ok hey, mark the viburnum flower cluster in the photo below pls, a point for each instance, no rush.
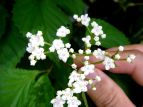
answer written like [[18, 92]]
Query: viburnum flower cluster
[[78, 80], [35, 47]]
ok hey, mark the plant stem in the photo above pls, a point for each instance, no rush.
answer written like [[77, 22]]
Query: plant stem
[[98, 62], [89, 31], [47, 52], [47, 43], [84, 99]]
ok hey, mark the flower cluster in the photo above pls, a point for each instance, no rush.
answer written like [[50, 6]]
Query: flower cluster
[[35, 47], [96, 32], [59, 46], [65, 96], [78, 80], [84, 19]]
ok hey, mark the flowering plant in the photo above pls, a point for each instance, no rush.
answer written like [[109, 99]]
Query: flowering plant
[[78, 82]]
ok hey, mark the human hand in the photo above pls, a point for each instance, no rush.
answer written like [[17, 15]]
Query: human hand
[[108, 93]]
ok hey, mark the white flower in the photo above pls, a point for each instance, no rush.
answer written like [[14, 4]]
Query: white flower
[[88, 51], [96, 38], [74, 76], [80, 51], [88, 45], [74, 66], [90, 81], [36, 40], [130, 58], [87, 69], [98, 78], [28, 35], [86, 39], [31, 57], [67, 45], [86, 58], [75, 16], [78, 19], [67, 94], [94, 88], [99, 54], [39, 53], [108, 63], [117, 56], [30, 48], [62, 31], [73, 102], [121, 48], [58, 44], [52, 49], [80, 86], [35, 47], [93, 24], [103, 36], [39, 33], [33, 62], [58, 102], [97, 30], [59, 93], [98, 43], [63, 54], [73, 56], [86, 62], [71, 50], [85, 19]]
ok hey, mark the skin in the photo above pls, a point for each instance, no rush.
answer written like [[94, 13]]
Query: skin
[[108, 93]]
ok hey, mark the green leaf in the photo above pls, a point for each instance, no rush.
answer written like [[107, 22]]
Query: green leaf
[[12, 48], [114, 36], [72, 6], [14, 86], [41, 94], [59, 75], [38, 15], [3, 16], [18, 88], [45, 15]]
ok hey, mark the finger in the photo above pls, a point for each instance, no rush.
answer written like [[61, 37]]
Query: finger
[[134, 69], [129, 47], [122, 66], [108, 93], [79, 61]]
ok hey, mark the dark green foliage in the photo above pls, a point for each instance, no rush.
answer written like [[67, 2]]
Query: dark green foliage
[[113, 34], [3, 18], [12, 48], [28, 88], [21, 87]]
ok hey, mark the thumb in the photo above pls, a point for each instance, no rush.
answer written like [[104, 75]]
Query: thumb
[[108, 93]]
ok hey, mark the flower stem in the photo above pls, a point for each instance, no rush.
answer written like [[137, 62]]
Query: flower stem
[[85, 100], [47, 52], [89, 31], [47, 43], [98, 62]]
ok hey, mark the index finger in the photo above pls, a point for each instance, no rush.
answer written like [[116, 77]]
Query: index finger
[[138, 47], [134, 69]]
